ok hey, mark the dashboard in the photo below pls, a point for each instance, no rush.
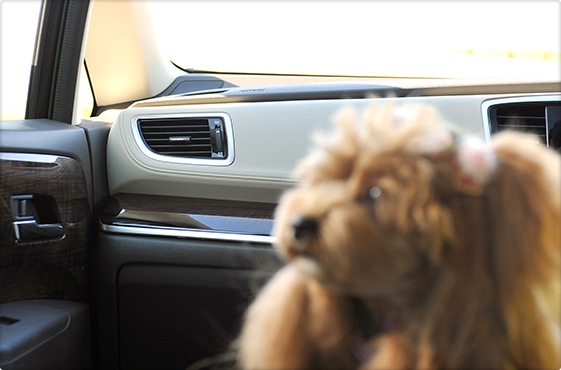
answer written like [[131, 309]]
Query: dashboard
[[252, 138]]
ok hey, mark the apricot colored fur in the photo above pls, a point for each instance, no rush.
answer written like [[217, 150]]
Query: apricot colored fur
[[466, 281]]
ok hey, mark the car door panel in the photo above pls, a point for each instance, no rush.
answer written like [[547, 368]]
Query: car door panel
[[45, 334], [45, 230], [43, 179], [48, 160]]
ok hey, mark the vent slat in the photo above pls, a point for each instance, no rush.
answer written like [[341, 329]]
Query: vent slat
[[188, 154], [163, 127], [166, 140], [522, 117], [183, 147], [177, 133], [176, 129], [505, 126]]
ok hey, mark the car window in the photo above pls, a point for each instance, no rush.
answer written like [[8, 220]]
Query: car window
[[364, 38], [18, 28], [19, 24]]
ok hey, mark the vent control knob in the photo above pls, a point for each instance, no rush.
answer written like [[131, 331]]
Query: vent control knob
[[216, 137]]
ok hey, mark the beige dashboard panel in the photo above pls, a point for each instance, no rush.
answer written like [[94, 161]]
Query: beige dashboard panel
[[268, 140]]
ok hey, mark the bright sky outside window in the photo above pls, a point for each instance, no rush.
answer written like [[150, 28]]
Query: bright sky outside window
[[364, 38]]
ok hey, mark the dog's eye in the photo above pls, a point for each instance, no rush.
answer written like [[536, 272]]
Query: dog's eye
[[374, 193]]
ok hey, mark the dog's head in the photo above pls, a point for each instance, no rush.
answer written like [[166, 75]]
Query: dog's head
[[397, 198]]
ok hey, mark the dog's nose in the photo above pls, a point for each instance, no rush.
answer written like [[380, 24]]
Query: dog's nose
[[304, 227]]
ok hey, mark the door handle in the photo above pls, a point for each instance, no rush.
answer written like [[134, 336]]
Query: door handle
[[28, 230], [35, 217]]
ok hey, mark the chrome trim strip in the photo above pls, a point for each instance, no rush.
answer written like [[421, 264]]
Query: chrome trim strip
[[187, 233], [228, 131], [28, 157], [516, 99]]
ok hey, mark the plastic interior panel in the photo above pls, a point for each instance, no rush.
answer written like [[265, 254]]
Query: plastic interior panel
[[96, 134], [171, 316], [264, 163], [156, 279], [44, 334]]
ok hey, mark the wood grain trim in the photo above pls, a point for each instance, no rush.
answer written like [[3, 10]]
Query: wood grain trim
[[154, 203], [57, 268]]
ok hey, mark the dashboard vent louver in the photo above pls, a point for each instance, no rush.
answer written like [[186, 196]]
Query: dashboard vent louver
[[542, 119], [529, 117], [189, 137]]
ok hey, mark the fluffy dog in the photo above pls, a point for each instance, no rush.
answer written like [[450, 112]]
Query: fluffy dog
[[411, 246]]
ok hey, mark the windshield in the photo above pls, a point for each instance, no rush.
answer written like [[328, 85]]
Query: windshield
[[364, 38]]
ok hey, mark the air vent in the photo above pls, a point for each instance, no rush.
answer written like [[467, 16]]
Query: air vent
[[541, 118], [185, 137], [529, 117]]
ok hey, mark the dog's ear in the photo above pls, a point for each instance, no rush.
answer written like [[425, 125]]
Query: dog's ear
[[524, 223], [527, 207], [507, 245]]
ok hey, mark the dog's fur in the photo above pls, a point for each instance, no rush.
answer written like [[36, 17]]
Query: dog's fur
[[459, 273]]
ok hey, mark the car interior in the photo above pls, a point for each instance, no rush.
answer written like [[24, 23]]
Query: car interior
[[135, 235]]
